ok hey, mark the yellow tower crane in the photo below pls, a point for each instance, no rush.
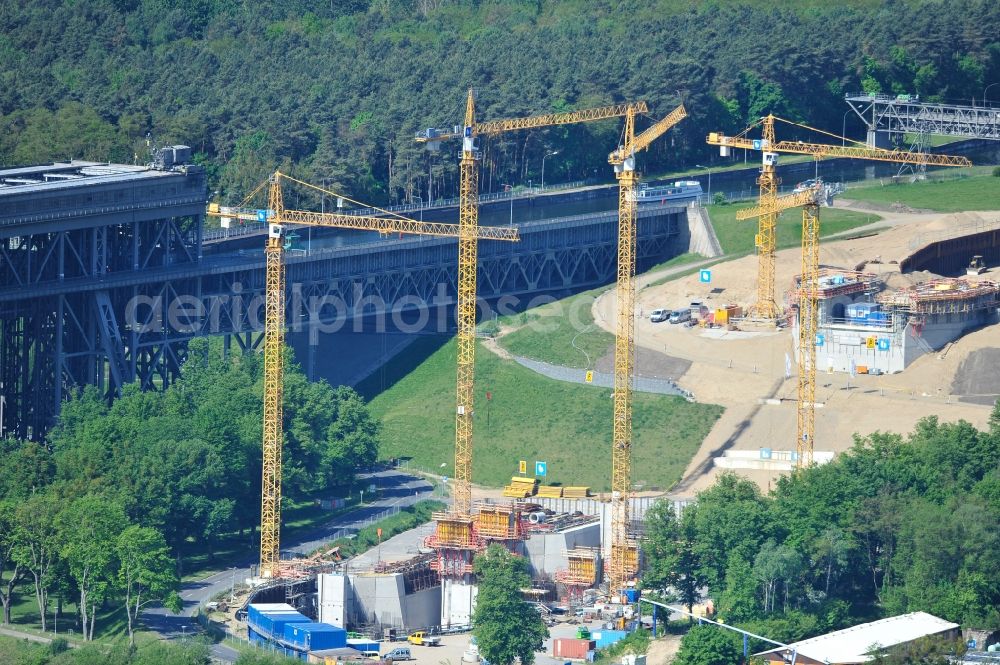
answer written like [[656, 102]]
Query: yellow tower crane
[[467, 265], [624, 550], [809, 200], [769, 207], [274, 327], [766, 306]]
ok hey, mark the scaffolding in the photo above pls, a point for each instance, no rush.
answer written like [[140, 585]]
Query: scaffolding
[[582, 568], [943, 296], [455, 541], [498, 521], [454, 531], [418, 573], [834, 283]]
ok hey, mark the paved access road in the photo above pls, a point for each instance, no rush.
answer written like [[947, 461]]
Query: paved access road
[[397, 490]]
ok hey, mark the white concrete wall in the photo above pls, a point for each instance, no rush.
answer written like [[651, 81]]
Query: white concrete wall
[[351, 599], [637, 509], [846, 343], [458, 599], [333, 592], [422, 609], [702, 238], [546, 552]]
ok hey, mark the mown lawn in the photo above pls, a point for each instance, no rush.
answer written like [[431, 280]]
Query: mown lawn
[[980, 192], [738, 237], [531, 417], [562, 332]]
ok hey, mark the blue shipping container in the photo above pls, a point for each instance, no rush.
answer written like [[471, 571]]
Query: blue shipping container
[[255, 637], [272, 624], [255, 609], [606, 638], [315, 636], [878, 319], [862, 310], [294, 653]]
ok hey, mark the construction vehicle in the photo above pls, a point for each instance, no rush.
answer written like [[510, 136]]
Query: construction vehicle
[[624, 564], [976, 266], [767, 214], [278, 218], [422, 638]]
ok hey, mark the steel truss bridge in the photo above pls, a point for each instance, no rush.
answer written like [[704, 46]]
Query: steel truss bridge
[[110, 295], [891, 116]]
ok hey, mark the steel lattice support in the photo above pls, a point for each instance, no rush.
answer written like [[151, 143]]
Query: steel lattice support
[[766, 307], [808, 321], [621, 439], [274, 338], [466, 315]]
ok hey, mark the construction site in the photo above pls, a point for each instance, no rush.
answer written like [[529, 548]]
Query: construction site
[[868, 332]]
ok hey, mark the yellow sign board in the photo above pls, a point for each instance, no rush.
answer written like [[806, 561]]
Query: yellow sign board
[[870, 342], [522, 466], [590, 377]]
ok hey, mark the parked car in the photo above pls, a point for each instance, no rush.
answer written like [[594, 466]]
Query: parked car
[[680, 316], [399, 653], [659, 315]]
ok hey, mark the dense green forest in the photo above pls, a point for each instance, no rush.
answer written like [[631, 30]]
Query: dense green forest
[[898, 524], [108, 510], [335, 89]]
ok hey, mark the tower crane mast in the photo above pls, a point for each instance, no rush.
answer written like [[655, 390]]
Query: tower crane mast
[[467, 264], [274, 330], [767, 213], [624, 550]]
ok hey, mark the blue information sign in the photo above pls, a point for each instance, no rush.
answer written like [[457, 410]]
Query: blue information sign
[[820, 339], [883, 344], [705, 276], [541, 468]]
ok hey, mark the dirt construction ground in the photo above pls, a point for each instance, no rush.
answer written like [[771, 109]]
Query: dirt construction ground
[[745, 371], [452, 647]]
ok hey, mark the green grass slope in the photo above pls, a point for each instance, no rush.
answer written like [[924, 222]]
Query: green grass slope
[[562, 332], [534, 418], [981, 192], [737, 237]]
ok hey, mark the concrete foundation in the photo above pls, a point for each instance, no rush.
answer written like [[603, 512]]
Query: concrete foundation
[[376, 599], [546, 552], [458, 599], [638, 508]]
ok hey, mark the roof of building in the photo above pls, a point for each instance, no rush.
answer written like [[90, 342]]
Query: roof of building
[[852, 645], [74, 173], [343, 652]]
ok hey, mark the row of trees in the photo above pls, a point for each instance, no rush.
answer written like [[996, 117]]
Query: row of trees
[[335, 90], [897, 524], [112, 503], [88, 546]]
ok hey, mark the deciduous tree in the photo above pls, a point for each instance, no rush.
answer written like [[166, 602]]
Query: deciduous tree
[[505, 626], [145, 573]]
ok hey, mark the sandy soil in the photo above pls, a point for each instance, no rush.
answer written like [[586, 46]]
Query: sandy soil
[[663, 650], [745, 371]]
